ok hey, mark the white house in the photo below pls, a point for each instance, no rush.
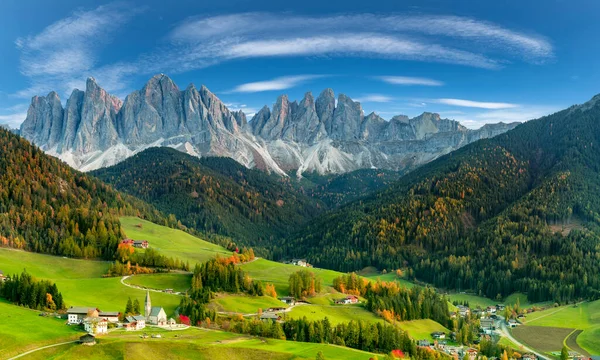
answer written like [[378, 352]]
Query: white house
[[137, 322], [95, 325], [76, 314]]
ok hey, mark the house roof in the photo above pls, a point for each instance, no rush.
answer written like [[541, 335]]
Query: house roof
[[269, 316], [80, 310], [87, 338], [287, 298], [109, 313], [93, 319], [156, 310]]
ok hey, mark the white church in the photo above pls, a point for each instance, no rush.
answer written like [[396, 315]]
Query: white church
[[154, 315]]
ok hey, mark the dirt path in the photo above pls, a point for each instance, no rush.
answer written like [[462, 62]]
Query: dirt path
[[264, 312], [42, 348], [143, 288], [571, 342]]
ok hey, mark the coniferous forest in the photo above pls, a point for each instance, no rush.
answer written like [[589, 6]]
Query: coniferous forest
[[518, 212]]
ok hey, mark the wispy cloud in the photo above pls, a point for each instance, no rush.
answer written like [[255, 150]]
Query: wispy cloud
[[406, 80], [13, 120], [522, 114], [280, 83], [66, 52], [374, 98], [475, 104]]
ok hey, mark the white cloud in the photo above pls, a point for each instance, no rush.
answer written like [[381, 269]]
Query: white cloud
[[522, 114], [374, 98], [475, 104], [280, 83], [66, 52], [406, 80], [13, 120]]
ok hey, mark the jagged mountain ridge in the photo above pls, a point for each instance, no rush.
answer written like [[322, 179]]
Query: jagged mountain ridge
[[96, 129]]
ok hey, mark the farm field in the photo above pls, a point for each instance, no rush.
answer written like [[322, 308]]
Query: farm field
[[336, 313], [542, 338], [197, 344], [585, 316], [422, 329], [16, 335], [243, 303], [176, 281]]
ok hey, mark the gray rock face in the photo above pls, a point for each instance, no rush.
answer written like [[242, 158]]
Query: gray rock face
[[96, 129]]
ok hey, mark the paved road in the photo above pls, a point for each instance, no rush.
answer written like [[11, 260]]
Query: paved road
[[42, 348], [506, 332]]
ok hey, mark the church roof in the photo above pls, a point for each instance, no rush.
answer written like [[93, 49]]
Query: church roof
[[156, 310]]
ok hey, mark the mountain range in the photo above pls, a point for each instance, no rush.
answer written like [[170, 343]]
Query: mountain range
[[96, 129]]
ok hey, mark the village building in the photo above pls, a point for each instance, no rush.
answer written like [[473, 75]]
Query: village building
[[438, 335], [423, 343], [95, 325], [351, 299], [270, 317], [87, 339], [487, 326], [171, 322], [155, 315], [127, 242], [300, 262], [500, 307], [76, 314], [143, 244], [472, 354], [512, 323], [288, 300], [110, 316], [491, 309], [136, 322], [463, 310], [529, 356], [2, 277]]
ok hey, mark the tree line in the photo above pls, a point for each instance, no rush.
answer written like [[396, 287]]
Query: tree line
[[27, 291]]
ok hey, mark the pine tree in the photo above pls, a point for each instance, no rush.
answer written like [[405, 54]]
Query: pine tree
[[136, 306], [129, 307]]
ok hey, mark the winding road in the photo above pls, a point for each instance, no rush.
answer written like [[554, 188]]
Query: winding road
[[505, 332]]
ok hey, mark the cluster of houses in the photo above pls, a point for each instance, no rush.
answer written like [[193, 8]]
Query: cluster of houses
[[2, 277], [299, 262], [350, 299], [142, 244], [97, 322]]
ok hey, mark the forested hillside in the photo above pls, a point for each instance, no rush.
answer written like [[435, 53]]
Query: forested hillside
[[215, 195], [519, 212], [45, 206]]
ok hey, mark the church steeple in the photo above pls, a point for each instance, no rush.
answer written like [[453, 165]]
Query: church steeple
[[148, 305]]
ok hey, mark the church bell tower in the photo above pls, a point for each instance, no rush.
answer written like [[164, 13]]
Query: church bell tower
[[147, 305]]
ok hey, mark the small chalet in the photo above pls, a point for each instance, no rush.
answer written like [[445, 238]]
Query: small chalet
[[300, 262], [76, 314], [270, 317], [500, 307], [463, 310], [512, 323], [140, 244], [529, 356], [171, 322], [110, 316], [288, 300], [2, 277], [438, 335], [351, 299], [423, 343], [472, 354], [487, 326], [87, 339], [491, 309], [95, 325], [137, 322]]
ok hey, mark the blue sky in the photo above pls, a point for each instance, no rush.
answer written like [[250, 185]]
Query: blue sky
[[473, 61]]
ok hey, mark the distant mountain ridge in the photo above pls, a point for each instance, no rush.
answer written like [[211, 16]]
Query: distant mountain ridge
[[96, 129]]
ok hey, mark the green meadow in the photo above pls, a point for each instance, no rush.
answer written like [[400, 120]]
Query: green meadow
[[197, 344], [80, 281], [422, 329], [243, 303], [176, 281], [336, 313], [22, 329]]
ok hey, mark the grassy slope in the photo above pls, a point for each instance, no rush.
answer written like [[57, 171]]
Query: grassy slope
[[175, 281], [336, 313], [422, 329], [80, 281], [585, 316], [198, 344], [244, 304], [22, 329]]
